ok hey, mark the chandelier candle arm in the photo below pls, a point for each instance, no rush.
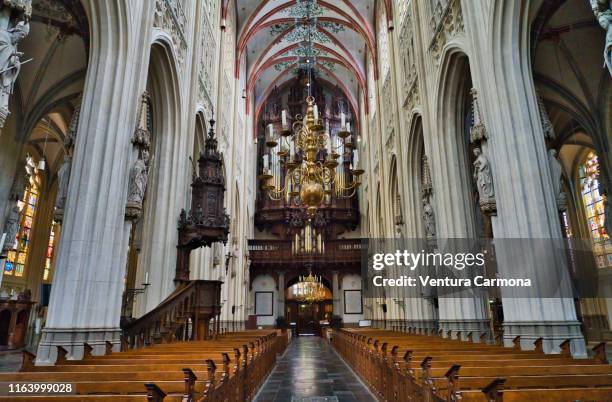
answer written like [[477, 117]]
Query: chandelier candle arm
[[307, 180]]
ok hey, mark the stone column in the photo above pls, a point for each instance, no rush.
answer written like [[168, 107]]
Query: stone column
[[88, 282], [523, 186], [280, 312], [337, 309]]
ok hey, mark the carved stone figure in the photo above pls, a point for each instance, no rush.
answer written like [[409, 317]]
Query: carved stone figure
[[199, 214], [556, 172], [429, 217], [547, 126], [484, 181], [10, 64], [603, 12], [11, 227], [138, 185], [63, 177]]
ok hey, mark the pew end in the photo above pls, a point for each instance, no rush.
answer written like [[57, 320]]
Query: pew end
[[600, 353], [87, 351], [516, 343], [27, 362], [495, 390], [539, 345], [565, 347], [154, 393], [61, 356]]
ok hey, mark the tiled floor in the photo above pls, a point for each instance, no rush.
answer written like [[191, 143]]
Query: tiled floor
[[10, 360], [311, 371]]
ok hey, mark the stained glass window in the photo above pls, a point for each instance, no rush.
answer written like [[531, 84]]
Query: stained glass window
[[16, 259], [593, 202], [49, 254]]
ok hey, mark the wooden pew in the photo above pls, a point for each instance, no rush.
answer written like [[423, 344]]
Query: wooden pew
[[402, 366], [229, 368]]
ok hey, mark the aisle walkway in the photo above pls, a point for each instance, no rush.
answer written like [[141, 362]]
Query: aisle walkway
[[311, 371]]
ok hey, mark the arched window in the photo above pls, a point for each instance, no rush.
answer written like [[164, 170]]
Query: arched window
[[16, 258], [593, 203], [49, 254]]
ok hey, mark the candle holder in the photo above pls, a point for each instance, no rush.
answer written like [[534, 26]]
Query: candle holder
[[271, 142], [343, 133]]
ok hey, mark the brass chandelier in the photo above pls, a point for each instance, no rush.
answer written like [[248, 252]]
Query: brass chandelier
[[308, 162], [310, 289]]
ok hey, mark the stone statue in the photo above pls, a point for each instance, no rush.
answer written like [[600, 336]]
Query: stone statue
[[556, 172], [10, 64], [138, 185], [603, 12], [484, 181], [63, 177], [11, 227], [428, 217]]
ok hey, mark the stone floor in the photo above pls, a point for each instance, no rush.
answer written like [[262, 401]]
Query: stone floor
[[311, 371], [10, 360]]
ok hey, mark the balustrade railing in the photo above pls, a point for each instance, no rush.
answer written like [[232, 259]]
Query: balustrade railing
[[185, 315], [281, 252]]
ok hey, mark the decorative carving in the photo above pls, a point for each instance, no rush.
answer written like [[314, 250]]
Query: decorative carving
[[139, 173], [603, 12], [208, 47], [296, 219], [63, 178], [407, 55], [446, 23], [207, 222], [170, 16], [388, 106], [11, 227], [63, 174], [429, 218], [547, 127], [556, 172], [10, 62], [483, 177], [478, 132]]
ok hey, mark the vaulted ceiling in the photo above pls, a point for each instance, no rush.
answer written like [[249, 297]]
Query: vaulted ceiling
[[570, 75], [347, 28]]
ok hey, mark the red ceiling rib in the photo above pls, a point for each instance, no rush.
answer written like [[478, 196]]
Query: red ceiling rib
[[268, 90], [251, 27], [264, 55], [255, 74]]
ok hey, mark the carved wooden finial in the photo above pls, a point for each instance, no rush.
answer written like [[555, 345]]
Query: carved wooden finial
[[453, 382], [538, 345], [154, 393], [498, 340], [495, 390], [600, 353], [87, 350], [566, 348], [190, 380], [516, 342], [61, 356], [27, 364]]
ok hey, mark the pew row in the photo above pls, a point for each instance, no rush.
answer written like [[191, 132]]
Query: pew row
[[231, 367], [400, 366]]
